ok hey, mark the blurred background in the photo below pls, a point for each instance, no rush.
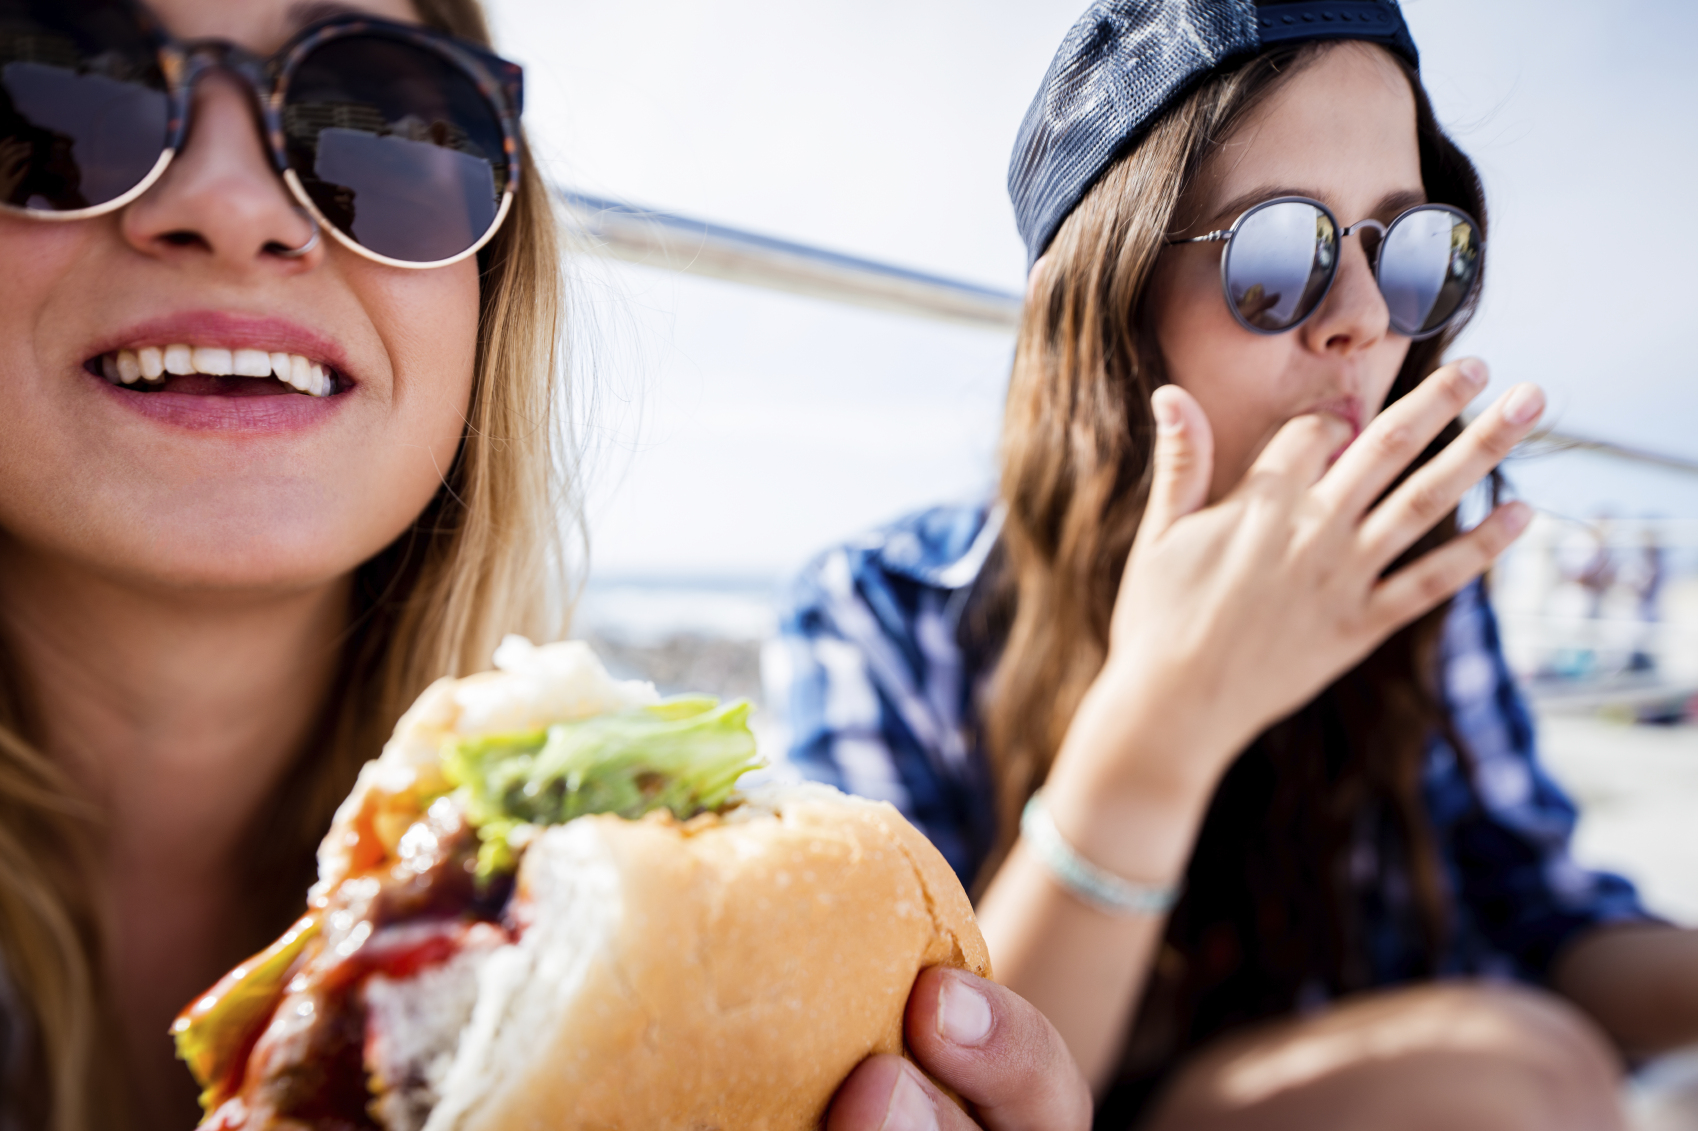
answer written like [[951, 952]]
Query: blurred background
[[734, 430]]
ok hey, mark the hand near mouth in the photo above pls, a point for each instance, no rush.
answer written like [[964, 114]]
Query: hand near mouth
[[1232, 614]]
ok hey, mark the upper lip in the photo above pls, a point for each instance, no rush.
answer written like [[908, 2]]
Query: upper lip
[[230, 331]]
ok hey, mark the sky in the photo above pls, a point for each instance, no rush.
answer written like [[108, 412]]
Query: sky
[[733, 432]]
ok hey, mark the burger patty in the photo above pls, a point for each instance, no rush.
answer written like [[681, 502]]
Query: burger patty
[[413, 1027], [367, 1027]]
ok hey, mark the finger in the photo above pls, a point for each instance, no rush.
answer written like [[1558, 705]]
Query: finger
[[1184, 459], [997, 1052], [1422, 585], [1432, 492], [1396, 436], [886, 1093], [1297, 455]]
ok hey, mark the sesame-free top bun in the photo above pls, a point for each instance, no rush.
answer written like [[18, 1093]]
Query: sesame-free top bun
[[727, 972]]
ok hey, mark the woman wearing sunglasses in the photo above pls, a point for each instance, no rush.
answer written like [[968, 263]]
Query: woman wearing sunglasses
[[1210, 707], [279, 318]]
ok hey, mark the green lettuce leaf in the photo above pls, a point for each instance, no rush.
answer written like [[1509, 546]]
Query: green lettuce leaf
[[683, 754]]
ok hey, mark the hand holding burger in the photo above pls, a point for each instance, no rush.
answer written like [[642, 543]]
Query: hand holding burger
[[986, 1044]]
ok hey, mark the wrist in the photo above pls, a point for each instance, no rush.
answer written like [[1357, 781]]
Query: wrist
[[1130, 785], [1136, 735], [1143, 837], [1098, 887]]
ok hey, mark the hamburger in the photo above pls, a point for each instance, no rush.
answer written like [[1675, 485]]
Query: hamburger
[[547, 905]]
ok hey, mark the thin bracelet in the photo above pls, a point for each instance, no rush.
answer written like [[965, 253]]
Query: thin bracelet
[[1100, 888]]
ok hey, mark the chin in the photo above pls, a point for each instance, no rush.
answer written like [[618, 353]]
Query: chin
[[267, 570], [261, 531], [256, 552]]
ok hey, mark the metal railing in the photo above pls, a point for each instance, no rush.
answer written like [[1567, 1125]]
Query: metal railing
[[677, 243]]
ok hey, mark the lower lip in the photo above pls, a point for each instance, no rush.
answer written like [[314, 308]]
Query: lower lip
[[228, 413]]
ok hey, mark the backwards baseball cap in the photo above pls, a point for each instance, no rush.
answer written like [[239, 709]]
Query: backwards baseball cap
[[1126, 61]]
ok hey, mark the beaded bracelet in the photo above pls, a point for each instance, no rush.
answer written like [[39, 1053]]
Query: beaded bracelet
[[1098, 887]]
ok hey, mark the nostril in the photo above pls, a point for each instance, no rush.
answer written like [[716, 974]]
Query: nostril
[[184, 238], [277, 248]]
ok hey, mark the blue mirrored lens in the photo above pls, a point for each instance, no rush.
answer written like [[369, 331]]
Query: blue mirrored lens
[[84, 115], [1279, 262], [1427, 267], [397, 147]]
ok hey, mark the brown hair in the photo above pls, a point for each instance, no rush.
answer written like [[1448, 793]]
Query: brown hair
[[1266, 898], [483, 559]]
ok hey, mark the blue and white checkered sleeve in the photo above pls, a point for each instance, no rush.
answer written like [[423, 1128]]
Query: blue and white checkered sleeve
[[828, 721], [862, 696], [1510, 831]]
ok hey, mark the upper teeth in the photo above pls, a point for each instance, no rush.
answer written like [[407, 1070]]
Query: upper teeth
[[152, 363]]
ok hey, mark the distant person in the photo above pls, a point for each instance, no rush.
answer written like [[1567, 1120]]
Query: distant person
[[1646, 579], [1597, 573], [1294, 862]]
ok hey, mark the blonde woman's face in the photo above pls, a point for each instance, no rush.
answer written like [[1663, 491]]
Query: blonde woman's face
[[223, 482], [1342, 131]]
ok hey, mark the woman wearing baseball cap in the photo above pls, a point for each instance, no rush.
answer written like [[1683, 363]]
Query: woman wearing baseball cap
[[1210, 705]]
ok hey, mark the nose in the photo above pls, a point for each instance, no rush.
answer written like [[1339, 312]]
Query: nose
[[220, 205], [1354, 315]]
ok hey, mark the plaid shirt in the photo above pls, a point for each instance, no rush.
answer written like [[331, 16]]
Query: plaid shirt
[[877, 697]]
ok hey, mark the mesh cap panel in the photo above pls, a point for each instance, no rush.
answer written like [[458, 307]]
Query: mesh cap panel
[[1126, 61]]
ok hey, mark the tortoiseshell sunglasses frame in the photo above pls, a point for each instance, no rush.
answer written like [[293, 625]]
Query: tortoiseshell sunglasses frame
[[184, 62]]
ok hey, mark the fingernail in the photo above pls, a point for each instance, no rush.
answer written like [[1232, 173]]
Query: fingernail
[[910, 1108], [1167, 413], [1473, 371], [1525, 403], [1516, 516], [963, 1014]]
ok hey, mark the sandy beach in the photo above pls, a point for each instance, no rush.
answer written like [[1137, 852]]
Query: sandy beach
[[1637, 788]]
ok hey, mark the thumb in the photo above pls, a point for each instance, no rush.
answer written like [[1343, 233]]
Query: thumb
[[1184, 460]]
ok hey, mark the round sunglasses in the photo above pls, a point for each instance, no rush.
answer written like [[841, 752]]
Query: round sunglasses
[[1282, 256], [400, 141]]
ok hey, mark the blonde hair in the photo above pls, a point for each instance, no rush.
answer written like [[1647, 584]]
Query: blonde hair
[[486, 557]]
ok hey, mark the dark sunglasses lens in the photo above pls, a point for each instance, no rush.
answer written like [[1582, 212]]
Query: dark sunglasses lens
[[1279, 263], [1428, 265], [84, 115], [397, 146]]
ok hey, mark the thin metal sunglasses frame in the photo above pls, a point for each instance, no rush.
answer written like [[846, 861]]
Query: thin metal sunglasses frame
[[1226, 235], [186, 62]]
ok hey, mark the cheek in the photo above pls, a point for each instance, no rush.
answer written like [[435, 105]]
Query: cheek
[[1234, 374], [39, 259], [45, 442], [428, 323], [1380, 374]]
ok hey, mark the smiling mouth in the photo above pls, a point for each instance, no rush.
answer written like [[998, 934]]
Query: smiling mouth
[[216, 371]]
